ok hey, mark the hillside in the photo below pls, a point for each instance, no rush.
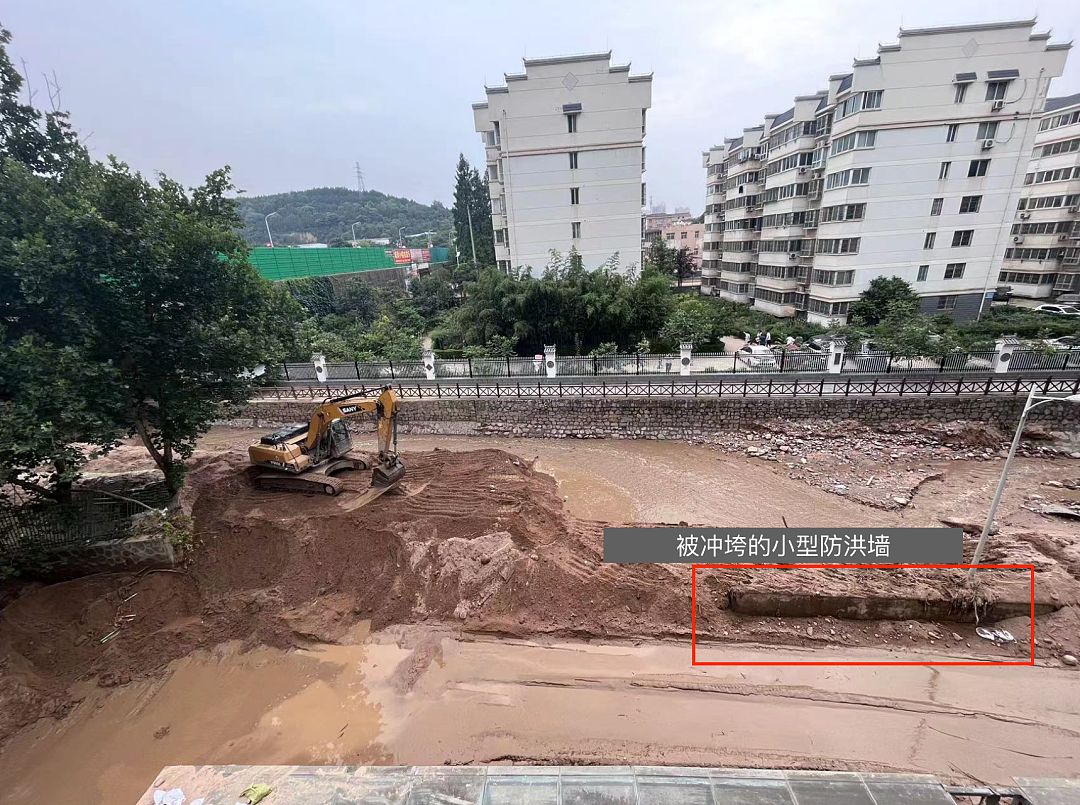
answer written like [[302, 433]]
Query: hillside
[[322, 214]]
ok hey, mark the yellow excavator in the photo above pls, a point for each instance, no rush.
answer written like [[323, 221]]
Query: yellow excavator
[[306, 457]]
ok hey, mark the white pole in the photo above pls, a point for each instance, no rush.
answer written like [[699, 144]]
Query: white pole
[[354, 232], [985, 536], [266, 221]]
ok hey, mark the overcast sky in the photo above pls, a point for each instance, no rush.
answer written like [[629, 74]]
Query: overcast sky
[[292, 94]]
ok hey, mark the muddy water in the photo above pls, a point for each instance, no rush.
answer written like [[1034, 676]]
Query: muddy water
[[264, 706], [669, 482]]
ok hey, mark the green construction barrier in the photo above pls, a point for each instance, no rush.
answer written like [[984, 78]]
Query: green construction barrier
[[284, 263]]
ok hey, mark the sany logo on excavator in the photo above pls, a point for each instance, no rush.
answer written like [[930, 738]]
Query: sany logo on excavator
[[349, 409]]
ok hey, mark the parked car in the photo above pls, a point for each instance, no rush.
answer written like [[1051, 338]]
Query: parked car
[[756, 356], [1059, 310], [1065, 342]]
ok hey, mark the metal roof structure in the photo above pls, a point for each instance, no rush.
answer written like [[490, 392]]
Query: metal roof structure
[[586, 785], [1053, 104]]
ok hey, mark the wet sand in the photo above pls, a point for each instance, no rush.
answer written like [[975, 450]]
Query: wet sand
[[485, 701]]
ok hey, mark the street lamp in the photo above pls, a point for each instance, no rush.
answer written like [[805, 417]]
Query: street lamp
[[354, 232], [1033, 401], [400, 238], [266, 221]]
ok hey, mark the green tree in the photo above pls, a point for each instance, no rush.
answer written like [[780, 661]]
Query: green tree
[[661, 259], [127, 307], [692, 320], [878, 299], [684, 265], [481, 205]]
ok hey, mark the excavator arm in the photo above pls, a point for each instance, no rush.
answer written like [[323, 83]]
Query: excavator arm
[[385, 407]]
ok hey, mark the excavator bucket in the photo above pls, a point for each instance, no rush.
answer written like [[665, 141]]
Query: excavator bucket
[[385, 477]]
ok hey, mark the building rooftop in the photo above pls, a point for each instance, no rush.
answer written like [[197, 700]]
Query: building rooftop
[[968, 28], [606, 55], [1053, 104]]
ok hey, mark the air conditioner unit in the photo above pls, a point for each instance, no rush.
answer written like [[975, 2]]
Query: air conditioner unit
[[1025, 215], [1018, 239], [793, 256], [987, 145], [997, 106], [1063, 237], [802, 170]]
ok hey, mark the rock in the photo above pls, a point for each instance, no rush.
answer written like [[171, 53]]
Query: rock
[[1069, 659], [900, 500], [955, 636], [81, 639], [809, 631]]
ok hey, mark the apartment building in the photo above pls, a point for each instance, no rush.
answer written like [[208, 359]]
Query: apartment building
[[565, 156], [910, 165], [1042, 257]]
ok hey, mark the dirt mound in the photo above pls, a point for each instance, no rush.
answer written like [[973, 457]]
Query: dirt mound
[[476, 538]]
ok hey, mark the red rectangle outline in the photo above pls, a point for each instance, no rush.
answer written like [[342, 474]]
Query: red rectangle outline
[[693, 616]]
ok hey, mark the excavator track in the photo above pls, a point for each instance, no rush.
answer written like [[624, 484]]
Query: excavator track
[[308, 483]]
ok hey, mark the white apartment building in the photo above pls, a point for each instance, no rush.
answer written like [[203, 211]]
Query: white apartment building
[[911, 165], [1042, 258], [565, 157]]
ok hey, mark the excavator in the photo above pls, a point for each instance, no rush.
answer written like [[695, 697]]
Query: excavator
[[306, 457]]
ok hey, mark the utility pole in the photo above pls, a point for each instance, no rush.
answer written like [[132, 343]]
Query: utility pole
[[472, 237], [359, 179]]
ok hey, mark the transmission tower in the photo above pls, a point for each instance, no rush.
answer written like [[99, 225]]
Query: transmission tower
[[359, 179]]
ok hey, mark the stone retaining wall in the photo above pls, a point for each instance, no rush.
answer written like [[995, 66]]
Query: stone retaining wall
[[671, 418]]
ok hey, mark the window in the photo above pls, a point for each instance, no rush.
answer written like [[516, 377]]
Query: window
[[961, 93], [493, 172], [935, 206], [943, 171], [860, 100], [575, 195], [970, 203], [573, 160], [951, 130], [643, 111], [490, 137], [682, 236], [669, 236], [820, 277], [872, 100], [1056, 175], [642, 158], [946, 302], [575, 230], [1062, 147], [995, 90], [843, 212], [498, 236], [923, 271], [837, 246], [978, 167], [962, 237], [1056, 122], [848, 177], [571, 122], [498, 133], [954, 271], [928, 241], [987, 131], [643, 194], [857, 139]]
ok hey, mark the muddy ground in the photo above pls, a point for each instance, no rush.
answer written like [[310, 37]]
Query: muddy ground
[[510, 544]]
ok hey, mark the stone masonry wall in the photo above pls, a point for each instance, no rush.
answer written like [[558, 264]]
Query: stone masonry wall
[[672, 418]]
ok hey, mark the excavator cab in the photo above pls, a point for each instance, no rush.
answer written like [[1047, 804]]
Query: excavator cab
[[340, 441]]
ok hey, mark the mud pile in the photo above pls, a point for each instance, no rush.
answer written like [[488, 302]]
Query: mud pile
[[479, 539]]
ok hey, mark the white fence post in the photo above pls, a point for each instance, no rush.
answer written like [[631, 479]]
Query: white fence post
[[319, 361], [429, 364], [686, 349], [1003, 352], [836, 356], [550, 363]]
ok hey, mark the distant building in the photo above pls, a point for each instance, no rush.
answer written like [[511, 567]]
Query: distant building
[[565, 156], [911, 165], [679, 234], [653, 224]]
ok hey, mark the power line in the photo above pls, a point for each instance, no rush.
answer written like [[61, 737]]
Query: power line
[[359, 179]]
